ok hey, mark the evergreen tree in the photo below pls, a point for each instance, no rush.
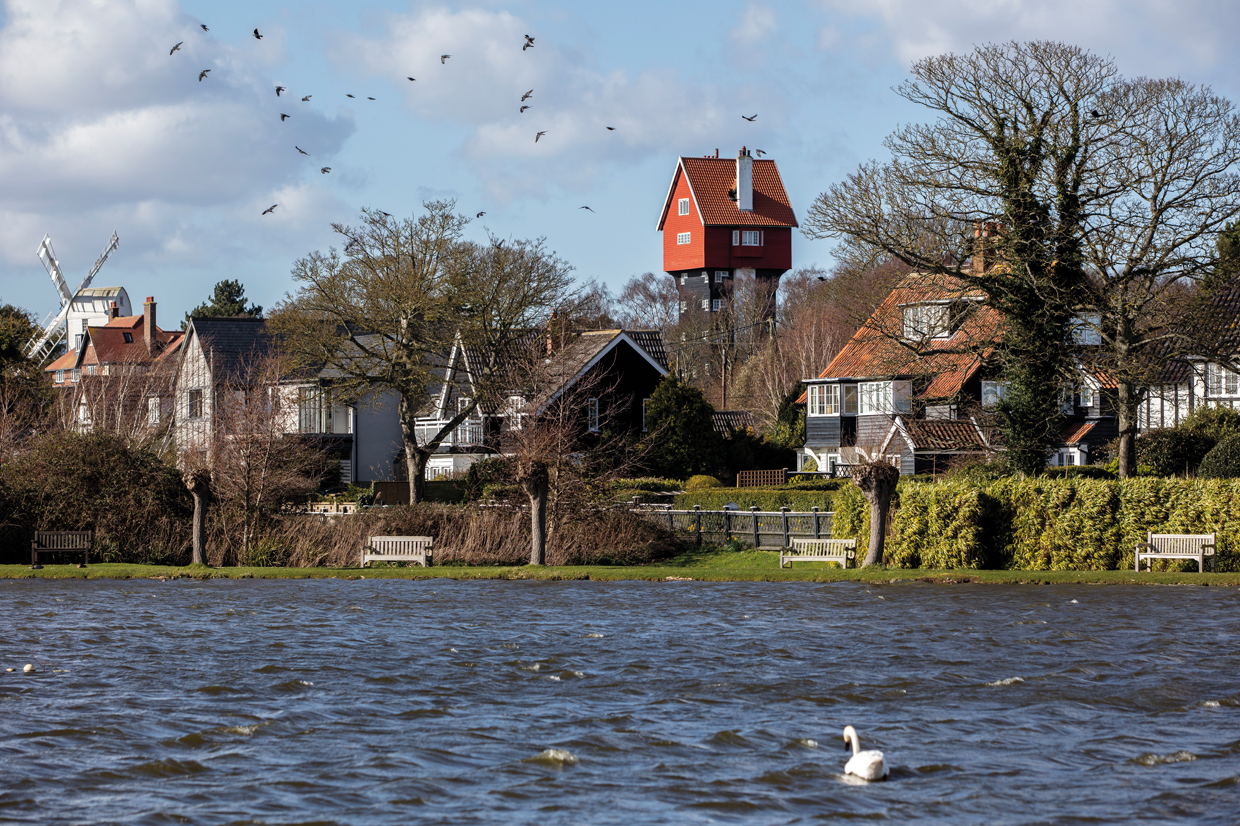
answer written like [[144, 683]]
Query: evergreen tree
[[682, 427], [227, 301]]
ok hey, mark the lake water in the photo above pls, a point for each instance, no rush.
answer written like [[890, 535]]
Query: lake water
[[366, 702]]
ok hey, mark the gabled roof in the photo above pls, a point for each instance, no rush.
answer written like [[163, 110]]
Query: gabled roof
[[572, 361], [107, 345], [229, 343], [727, 422], [876, 351], [942, 434], [710, 179]]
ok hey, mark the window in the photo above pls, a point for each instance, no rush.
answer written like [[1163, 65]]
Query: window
[[720, 275], [1221, 381], [993, 392], [152, 410], [926, 320], [310, 404], [875, 397], [683, 237], [128, 337], [195, 404], [462, 403], [1087, 395], [824, 399], [1085, 330], [706, 304], [849, 406], [77, 341], [60, 376], [684, 206], [736, 238], [684, 276], [645, 403], [1066, 402], [92, 369], [75, 375], [684, 307], [751, 238], [513, 409], [716, 304], [592, 414]]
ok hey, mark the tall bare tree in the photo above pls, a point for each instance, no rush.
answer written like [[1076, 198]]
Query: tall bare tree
[[382, 314]]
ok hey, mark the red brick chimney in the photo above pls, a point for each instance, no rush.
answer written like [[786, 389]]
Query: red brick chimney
[[114, 312], [148, 323], [985, 251], [557, 331]]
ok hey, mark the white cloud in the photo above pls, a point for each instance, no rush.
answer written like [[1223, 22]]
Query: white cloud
[[101, 128], [574, 101], [756, 24], [1150, 37]]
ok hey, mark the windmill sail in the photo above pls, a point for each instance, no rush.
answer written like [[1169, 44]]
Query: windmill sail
[[40, 346]]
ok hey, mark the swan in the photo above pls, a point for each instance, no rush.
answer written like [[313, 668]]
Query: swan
[[867, 765]]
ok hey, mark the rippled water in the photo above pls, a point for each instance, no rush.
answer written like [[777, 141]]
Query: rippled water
[[387, 701]]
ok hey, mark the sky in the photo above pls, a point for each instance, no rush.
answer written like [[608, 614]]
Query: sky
[[102, 130]]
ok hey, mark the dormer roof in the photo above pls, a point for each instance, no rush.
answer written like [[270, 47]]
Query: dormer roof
[[710, 180]]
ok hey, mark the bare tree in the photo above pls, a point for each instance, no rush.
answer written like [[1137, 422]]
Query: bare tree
[[383, 313], [649, 302], [131, 398]]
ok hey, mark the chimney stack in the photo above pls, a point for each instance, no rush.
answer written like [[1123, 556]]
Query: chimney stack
[[148, 318], [744, 181], [985, 250], [114, 312]]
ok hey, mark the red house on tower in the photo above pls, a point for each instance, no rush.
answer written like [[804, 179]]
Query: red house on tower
[[723, 218]]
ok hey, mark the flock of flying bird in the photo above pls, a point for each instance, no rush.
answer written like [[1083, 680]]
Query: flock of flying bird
[[443, 60]]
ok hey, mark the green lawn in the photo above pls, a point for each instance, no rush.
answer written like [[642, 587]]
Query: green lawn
[[709, 565]]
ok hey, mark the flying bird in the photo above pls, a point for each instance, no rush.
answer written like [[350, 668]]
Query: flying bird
[[611, 129], [306, 98], [299, 149], [280, 89], [369, 98], [480, 214], [346, 94], [759, 152], [585, 207], [325, 170], [528, 95], [523, 108], [284, 117], [203, 74], [410, 78], [258, 36], [204, 27], [529, 43], [443, 58], [385, 214], [175, 48], [749, 118], [271, 208], [539, 135]]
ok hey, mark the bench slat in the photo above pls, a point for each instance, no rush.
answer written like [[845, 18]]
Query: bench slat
[[398, 549], [1176, 546], [819, 550]]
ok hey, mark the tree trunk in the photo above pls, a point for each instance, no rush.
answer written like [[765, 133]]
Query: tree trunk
[[1126, 405], [415, 456], [537, 483], [199, 484], [877, 481]]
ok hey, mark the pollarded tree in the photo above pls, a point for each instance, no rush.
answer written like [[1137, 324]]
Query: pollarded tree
[[1108, 195], [383, 314]]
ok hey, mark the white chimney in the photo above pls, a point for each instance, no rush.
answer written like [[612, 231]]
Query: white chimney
[[744, 181]]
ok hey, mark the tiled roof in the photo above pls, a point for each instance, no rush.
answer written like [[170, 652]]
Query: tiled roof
[[652, 342], [230, 343], [107, 344], [944, 434], [712, 178], [567, 363], [876, 351], [727, 422], [1076, 432]]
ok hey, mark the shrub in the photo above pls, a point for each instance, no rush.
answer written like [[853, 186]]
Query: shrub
[[1215, 423], [486, 472], [766, 499], [650, 484], [810, 465], [1083, 472], [1172, 451], [1223, 460], [939, 526], [702, 483]]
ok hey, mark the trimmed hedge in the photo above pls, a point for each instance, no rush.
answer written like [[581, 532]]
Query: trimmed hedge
[[1223, 460], [767, 499], [1046, 524]]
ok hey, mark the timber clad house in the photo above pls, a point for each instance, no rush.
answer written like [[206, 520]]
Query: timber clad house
[[722, 218], [913, 387], [606, 375]]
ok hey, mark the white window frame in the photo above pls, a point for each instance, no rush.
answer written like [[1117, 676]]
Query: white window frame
[[1085, 330], [683, 238], [874, 397], [926, 321], [844, 394], [824, 400], [60, 376], [993, 392], [683, 206], [592, 414], [720, 275], [736, 237], [751, 238], [716, 304], [152, 410], [684, 307], [1222, 382], [512, 410], [1067, 404], [706, 304], [1087, 395]]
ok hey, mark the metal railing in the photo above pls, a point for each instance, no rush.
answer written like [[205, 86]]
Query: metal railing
[[760, 529], [466, 433]]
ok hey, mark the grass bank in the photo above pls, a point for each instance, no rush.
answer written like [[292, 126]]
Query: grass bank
[[705, 565]]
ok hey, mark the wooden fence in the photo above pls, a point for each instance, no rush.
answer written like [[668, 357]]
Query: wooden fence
[[770, 478], [760, 529]]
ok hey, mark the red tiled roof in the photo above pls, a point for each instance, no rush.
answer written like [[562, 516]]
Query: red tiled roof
[[876, 351], [1076, 432], [944, 434], [107, 344], [711, 178]]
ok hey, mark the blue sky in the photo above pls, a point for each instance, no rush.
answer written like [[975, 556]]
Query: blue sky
[[101, 129]]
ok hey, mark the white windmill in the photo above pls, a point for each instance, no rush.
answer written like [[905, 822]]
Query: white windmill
[[42, 344]]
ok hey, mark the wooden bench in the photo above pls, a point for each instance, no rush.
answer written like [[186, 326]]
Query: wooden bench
[[398, 549], [60, 542], [1176, 546], [820, 550]]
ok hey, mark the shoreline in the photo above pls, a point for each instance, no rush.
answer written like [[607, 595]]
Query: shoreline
[[745, 566]]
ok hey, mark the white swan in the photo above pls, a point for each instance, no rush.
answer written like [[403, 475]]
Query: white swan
[[867, 765]]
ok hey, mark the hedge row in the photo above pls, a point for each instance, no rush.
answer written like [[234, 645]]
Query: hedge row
[[767, 499], [1047, 524]]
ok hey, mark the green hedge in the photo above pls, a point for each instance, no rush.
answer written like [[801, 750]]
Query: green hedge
[[938, 526], [767, 499]]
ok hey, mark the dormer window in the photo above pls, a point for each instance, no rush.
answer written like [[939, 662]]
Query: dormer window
[[684, 206], [927, 321], [128, 337]]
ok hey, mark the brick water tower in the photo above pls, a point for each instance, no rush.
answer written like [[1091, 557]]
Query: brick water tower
[[723, 218]]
